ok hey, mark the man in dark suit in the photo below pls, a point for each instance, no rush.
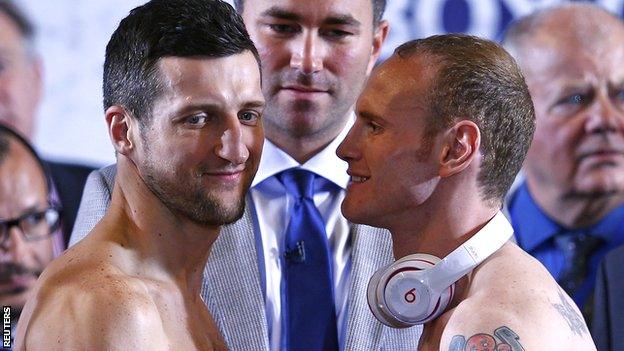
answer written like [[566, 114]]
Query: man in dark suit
[[20, 94], [608, 321]]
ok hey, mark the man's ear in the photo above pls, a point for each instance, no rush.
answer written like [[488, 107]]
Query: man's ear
[[121, 128], [461, 146], [379, 37]]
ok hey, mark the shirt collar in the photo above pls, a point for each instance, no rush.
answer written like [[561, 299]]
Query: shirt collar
[[533, 227], [611, 227], [325, 163]]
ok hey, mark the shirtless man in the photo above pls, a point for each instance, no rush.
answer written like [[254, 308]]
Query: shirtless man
[[431, 158], [183, 104]]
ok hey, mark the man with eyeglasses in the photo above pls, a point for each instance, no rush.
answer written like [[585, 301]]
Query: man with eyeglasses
[[29, 224]]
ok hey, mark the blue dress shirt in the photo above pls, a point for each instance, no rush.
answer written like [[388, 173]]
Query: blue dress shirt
[[535, 233]]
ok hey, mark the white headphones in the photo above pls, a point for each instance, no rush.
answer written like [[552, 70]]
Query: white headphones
[[417, 288]]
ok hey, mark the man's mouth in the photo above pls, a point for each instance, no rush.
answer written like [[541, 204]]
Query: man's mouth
[[16, 284], [358, 179], [606, 154]]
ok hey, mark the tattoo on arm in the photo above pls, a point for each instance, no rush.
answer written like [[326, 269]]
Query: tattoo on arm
[[504, 339], [571, 316]]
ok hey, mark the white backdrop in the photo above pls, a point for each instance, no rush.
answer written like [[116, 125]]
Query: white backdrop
[[72, 36]]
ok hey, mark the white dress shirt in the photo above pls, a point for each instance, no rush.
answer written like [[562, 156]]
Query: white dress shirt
[[272, 206]]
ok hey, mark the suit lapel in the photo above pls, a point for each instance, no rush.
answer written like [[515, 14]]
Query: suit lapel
[[232, 288], [371, 249]]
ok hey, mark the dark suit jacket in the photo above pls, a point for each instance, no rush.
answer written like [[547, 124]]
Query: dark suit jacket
[[608, 318], [69, 180]]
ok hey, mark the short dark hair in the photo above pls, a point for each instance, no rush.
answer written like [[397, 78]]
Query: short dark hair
[[166, 28], [6, 134], [478, 80], [379, 6]]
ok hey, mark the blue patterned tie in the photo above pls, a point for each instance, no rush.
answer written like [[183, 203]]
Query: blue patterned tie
[[308, 299]]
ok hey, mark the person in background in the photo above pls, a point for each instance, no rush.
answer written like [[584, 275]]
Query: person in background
[[21, 87], [442, 129], [183, 106], [569, 209], [608, 321], [30, 235], [290, 274]]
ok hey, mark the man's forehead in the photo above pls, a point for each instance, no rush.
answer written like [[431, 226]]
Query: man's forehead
[[10, 36], [22, 182], [319, 11], [233, 79], [401, 83], [573, 62]]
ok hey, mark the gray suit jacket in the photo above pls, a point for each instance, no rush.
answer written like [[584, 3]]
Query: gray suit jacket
[[232, 289]]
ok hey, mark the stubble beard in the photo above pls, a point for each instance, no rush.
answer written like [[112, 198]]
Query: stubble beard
[[188, 199]]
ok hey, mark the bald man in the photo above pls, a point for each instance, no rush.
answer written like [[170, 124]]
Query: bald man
[[569, 212], [29, 221]]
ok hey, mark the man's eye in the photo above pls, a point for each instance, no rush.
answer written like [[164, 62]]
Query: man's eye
[[249, 117], [35, 218], [374, 127], [196, 120], [335, 33], [575, 99], [283, 28]]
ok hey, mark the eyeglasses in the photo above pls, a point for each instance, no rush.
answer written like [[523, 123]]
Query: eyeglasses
[[34, 225]]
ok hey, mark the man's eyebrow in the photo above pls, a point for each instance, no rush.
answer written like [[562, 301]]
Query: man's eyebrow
[[254, 104], [345, 20], [369, 116], [277, 12], [332, 19]]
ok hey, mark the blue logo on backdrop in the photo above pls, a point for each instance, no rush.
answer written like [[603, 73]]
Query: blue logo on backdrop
[[411, 19]]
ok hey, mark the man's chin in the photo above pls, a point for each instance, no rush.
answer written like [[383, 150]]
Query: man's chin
[[15, 300], [600, 186], [217, 214], [355, 214]]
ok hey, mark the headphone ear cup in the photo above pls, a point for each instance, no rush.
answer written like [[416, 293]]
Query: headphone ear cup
[[376, 302], [400, 297]]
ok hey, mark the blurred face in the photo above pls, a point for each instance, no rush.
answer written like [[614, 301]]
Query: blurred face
[[391, 159], [315, 58], [578, 147], [20, 81], [202, 147], [22, 191]]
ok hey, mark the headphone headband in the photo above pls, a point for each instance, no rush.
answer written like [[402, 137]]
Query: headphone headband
[[468, 255], [418, 288]]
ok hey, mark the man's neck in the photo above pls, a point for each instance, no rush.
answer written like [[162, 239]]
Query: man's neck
[[440, 230], [166, 245], [573, 211], [303, 148]]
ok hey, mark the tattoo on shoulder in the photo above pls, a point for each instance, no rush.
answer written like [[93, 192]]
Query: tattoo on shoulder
[[504, 339], [571, 316]]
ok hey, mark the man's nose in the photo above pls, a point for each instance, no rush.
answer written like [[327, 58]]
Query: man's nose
[[605, 116], [14, 247], [307, 53], [231, 145], [348, 149]]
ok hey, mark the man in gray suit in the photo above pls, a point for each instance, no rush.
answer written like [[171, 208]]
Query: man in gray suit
[[315, 56], [183, 103]]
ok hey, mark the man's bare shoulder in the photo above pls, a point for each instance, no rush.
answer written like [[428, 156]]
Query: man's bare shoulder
[[85, 301], [513, 301]]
